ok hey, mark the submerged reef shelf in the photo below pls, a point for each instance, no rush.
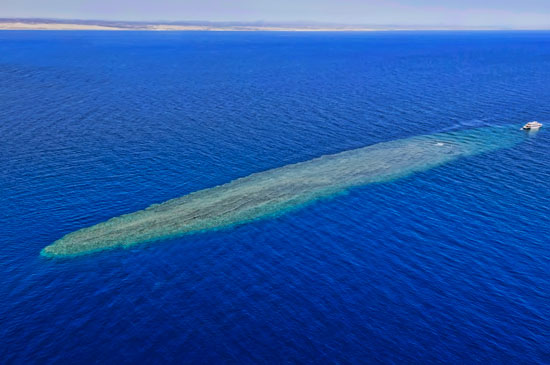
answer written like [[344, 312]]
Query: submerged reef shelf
[[282, 189]]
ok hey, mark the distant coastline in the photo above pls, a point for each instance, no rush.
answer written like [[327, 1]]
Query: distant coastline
[[76, 24], [162, 27]]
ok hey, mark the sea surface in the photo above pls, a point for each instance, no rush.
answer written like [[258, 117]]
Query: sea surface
[[449, 265]]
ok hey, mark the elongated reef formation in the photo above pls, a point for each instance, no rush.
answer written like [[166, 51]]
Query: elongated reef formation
[[282, 189]]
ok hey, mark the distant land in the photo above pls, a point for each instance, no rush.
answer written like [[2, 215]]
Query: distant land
[[76, 24]]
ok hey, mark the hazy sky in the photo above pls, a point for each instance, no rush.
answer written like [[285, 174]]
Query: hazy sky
[[515, 13]]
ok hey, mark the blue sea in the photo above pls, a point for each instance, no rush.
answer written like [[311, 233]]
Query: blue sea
[[449, 265]]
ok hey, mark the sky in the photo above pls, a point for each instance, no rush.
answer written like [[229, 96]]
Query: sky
[[470, 13]]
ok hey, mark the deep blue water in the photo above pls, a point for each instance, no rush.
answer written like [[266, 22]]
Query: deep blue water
[[446, 266]]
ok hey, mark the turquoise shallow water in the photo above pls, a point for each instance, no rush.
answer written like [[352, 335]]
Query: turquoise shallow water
[[449, 264]]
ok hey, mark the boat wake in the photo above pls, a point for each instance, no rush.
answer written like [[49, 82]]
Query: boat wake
[[282, 189]]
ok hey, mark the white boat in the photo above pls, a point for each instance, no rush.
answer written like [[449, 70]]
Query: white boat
[[532, 125]]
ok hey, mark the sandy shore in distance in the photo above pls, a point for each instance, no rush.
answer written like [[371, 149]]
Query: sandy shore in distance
[[47, 26], [166, 27]]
